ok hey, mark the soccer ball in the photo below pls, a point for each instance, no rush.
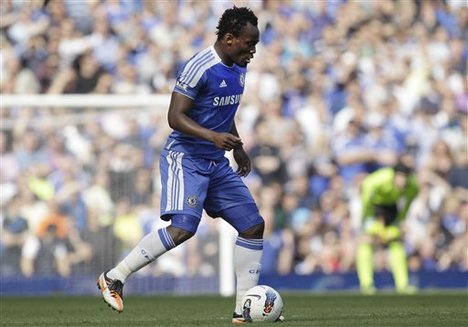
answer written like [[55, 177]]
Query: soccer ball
[[261, 303]]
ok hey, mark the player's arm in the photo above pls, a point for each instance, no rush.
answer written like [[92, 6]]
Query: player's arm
[[178, 120], [370, 189], [240, 156], [367, 189], [412, 190]]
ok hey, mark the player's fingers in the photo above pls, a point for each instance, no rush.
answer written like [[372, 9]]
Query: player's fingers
[[236, 140], [230, 145], [243, 171]]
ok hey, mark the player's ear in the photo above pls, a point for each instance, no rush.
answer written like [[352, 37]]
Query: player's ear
[[229, 38]]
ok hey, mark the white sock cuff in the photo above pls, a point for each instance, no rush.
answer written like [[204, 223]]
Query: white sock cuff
[[166, 239], [250, 243]]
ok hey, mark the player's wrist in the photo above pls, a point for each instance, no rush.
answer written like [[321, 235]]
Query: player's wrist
[[211, 136], [238, 147]]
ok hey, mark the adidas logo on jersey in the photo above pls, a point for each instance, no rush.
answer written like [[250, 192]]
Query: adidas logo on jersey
[[223, 84]]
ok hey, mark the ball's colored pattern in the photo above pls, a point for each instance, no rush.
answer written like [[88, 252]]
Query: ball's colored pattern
[[262, 303]]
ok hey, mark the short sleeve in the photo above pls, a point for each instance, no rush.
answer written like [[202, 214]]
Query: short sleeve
[[191, 89]]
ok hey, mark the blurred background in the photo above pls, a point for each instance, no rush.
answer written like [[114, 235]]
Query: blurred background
[[337, 90]]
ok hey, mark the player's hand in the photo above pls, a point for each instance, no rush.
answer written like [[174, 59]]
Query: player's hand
[[226, 141], [243, 161]]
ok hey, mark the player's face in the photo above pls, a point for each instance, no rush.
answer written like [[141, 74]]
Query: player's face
[[242, 48], [400, 180]]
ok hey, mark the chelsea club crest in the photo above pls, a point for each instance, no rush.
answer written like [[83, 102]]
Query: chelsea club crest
[[192, 200], [242, 79]]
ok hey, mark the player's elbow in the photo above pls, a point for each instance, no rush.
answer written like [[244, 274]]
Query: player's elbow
[[172, 121]]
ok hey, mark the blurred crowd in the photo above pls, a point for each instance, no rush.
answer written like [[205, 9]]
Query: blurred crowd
[[337, 90]]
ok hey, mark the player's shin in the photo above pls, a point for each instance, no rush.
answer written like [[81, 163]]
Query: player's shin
[[146, 251], [365, 267], [247, 258], [399, 265]]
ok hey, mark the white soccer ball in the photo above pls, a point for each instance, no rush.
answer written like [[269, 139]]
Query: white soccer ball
[[262, 303]]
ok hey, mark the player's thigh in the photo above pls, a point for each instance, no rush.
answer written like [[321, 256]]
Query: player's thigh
[[245, 219], [184, 189], [376, 230], [226, 189], [392, 233], [229, 198], [373, 231]]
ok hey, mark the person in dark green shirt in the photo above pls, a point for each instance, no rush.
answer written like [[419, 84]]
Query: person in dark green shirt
[[386, 196]]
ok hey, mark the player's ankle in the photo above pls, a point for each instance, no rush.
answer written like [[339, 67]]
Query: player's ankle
[[120, 272]]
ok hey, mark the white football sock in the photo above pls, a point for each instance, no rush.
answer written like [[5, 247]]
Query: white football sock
[[247, 258], [146, 251]]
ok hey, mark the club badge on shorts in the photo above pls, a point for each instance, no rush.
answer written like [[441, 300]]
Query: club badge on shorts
[[192, 200]]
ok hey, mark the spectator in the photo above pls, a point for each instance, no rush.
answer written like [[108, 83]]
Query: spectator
[[14, 233], [88, 74], [266, 160], [46, 253]]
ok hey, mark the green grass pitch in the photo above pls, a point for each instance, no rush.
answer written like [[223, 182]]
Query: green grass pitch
[[428, 309]]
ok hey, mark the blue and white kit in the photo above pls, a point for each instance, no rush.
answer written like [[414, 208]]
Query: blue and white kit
[[195, 174]]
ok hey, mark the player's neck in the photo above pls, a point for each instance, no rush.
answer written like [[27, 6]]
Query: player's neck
[[224, 58]]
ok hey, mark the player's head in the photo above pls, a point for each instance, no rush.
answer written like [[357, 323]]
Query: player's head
[[238, 35], [402, 173]]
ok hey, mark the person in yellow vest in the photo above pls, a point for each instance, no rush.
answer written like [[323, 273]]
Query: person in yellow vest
[[386, 196]]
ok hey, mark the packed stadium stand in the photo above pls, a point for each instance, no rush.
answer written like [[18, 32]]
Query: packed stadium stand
[[337, 90]]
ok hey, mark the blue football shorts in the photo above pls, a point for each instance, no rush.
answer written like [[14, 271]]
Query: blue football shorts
[[191, 184]]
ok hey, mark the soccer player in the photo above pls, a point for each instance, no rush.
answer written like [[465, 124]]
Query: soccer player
[[386, 196], [195, 174]]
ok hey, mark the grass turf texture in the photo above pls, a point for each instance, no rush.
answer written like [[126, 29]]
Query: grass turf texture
[[429, 309]]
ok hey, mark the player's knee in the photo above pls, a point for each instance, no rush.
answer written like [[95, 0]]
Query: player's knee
[[183, 227], [179, 235], [395, 242], [255, 231]]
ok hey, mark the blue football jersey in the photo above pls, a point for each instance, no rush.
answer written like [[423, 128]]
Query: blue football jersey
[[216, 90]]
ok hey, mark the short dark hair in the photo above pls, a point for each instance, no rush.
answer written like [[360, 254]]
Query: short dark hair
[[402, 168], [234, 19]]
